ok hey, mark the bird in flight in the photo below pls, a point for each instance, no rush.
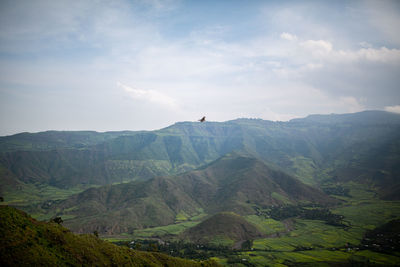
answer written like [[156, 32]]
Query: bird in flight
[[203, 119]]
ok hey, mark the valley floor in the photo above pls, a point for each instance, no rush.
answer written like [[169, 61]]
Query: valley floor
[[293, 241]]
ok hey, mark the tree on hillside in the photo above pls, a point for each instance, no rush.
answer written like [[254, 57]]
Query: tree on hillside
[[1, 199], [246, 245], [57, 220]]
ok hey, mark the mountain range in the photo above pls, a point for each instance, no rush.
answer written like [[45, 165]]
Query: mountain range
[[231, 183], [117, 182]]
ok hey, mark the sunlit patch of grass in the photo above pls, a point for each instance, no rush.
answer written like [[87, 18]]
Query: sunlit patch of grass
[[36, 193], [198, 217], [369, 214], [181, 216], [221, 241], [309, 233], [319, 257], [172, 229], [272, 244], [281, 198], [266, 226], [304, 168], [378, 258]]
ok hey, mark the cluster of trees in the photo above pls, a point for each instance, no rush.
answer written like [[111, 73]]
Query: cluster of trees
[[180, 248], [303, 212], [384, 239], [57, 220]]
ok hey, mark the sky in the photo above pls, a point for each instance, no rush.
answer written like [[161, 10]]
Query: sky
[[146, 64]]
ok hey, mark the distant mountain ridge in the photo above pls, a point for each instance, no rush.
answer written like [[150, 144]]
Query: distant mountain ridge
[[189, 166], [364, 117], [65, 159]]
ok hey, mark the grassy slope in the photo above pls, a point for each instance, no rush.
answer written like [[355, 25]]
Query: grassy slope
[[232, 183], [224, 225], [27, 242]]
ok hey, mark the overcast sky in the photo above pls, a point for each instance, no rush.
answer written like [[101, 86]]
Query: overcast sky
[[146, 64]]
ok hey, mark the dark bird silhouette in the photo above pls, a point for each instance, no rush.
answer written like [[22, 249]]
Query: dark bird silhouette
[[203, 119]]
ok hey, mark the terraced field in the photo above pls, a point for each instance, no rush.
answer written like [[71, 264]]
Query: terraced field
[[315, 243]]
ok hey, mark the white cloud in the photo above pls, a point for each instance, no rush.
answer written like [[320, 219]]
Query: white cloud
[[351, 104], [383, 55], [364, 44], [394, 109], [288, 36], [317, 48], [151, 96]]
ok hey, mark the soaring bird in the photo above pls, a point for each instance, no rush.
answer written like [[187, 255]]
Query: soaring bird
[[203, 119]]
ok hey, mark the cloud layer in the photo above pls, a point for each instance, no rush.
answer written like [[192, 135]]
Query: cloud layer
[[146, 64]]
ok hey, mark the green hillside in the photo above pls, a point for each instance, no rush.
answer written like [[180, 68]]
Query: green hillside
[[27, 242], [51, 140], [232, 183], [226, 226], [124, 207], [342, 143]]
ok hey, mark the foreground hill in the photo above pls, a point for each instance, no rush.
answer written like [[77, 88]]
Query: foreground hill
[[234, 182], [27, 242], [224, 225]]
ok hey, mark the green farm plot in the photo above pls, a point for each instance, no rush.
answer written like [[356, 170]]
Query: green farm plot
[[310, 242], [221, 241], [198, 217], [369, 214], [315, 243], [33, 197], [172, 229], [37, 193], [311, 234], [182, 216], [318, 258], [266, 226], [272, 244], [378, 258]]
